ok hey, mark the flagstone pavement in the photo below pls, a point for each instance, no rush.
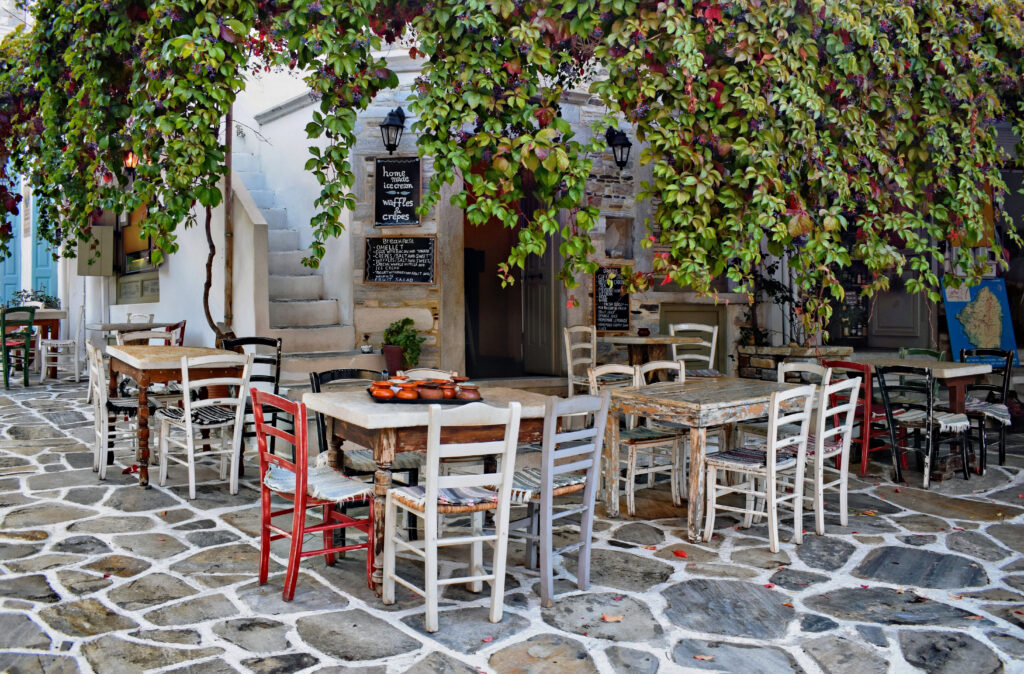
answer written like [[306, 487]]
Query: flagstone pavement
[[107, 577]]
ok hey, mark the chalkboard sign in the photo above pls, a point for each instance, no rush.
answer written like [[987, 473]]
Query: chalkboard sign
[[611, 305], [397, 194], [399, 259]]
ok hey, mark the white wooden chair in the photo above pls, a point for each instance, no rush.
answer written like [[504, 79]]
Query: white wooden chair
[[134, 317], [224, 414], [643, 450], [419, 373], [702, 354], [833, 432], [115, 420], [784, 452], [163, 337], [53, 352], [570, 462], [456, 494], [804, 372], [580, 355]]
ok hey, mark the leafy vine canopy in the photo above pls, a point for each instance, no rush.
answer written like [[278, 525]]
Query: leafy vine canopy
[[823, 131]]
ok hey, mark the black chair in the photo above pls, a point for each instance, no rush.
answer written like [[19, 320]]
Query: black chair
[[18, 335], [266, 369], [359, 462], [991, 399], [908, 396]]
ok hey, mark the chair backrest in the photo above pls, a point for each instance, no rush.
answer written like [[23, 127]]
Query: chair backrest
[[575, 450], [177, 339], [675, 368], [918, 353], [787, 409], [1001, 390], [139, 318], [213, 371], [143, 337], [442, 428], [317, 380], [580, 349], [17, 320], [266, 360], [297, 438], [838, 407], [419, 373], [704, 352], [97, 376], [612, 375], [845, 369], [820, 375]]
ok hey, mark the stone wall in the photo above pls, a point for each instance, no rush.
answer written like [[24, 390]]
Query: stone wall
[[762, 362]]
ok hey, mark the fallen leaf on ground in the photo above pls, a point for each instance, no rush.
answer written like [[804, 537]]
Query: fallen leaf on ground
[[897, 491], [769, 585], [611, 618], [650, 547], [900, 591], [974, 617], [618, 598], [863, 587], [956, 596], [680, 553], [787, 604], [487, 640], [704, 658]]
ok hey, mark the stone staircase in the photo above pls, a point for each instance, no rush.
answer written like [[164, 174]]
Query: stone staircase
[[301, 314]]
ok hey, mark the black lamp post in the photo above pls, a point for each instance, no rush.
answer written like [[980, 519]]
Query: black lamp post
[[620, 146], [391, 129]]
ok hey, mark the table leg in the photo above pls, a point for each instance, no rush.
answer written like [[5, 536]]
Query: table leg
[[111, 417], [637, 353], [958, 393], [143, 452], [383, 455], [695, 504], [611, 465], [334, 456]]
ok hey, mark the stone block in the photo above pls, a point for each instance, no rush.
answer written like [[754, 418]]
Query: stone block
[[758, 361], [370, 319]]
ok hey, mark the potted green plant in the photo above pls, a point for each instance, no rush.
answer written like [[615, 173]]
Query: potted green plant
[[401, 345]]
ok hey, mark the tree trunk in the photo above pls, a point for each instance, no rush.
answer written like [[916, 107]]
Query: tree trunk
[[209, 277]]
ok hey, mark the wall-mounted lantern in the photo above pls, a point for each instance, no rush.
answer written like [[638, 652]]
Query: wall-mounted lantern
[[620, 146], [391, 129], [131, 162]]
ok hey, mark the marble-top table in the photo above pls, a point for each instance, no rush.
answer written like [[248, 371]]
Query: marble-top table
[[955, 376], [389, 428], [124, 327], [155, 364]]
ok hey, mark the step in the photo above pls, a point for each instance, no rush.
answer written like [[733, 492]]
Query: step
[[253, 180], [277, 218], [307, 287], [244, 162], [290, 313], [320, 338], [288, 263], [263, 198], [283, 239], [295, 367]]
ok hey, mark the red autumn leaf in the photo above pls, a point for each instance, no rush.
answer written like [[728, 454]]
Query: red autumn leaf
[[512, 67], [617, 598], [713, 13], [864, 587], [680, 553], [704, 658], [787, 604], [544, 116], [487, 640], [769, 585], [228, 35]]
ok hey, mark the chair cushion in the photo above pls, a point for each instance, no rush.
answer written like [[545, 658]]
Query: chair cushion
[[644, 434], [947, 422], [750, 457], [526, 483], [706, 372], [322, 482], [128, 407], [203, 416], [126, 388], [56, 342], [361, 460], [995, 411], [467, 496]]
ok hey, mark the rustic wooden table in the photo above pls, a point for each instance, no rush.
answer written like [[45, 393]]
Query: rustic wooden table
[[954, 376], [645, 349], [700, 403], [391, 428], [154, 365], [48, 322]]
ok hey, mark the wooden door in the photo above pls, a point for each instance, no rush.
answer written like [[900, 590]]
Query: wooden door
[[542, 325], [10, 267], [899, 319], [44, 267]]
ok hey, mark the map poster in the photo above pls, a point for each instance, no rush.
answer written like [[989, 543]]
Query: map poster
[[979, 318]]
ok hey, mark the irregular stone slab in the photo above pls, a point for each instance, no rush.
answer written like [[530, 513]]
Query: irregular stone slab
[[196, 525], [112, 525], [28, 535], [64, 479], [917, 540], [439, 663], [921, 523], [185, 637], [734, 658], [217, 666], [350, 574], [824, 552], [948, 653], [541, 653], [44, 664], [79, 583], [870, 540], [693, 553], [193, 611], [858, 502], [237, 559], [459, 591], [79, 459], [220, 580], [29, 588], [920, 568], [640, 533], [1010, 535], [260, 635], [994, 478], [43, 515], [26, 432], [85, 618], [247, 521], [1007, 643], [42, 563], [728, 607], [354, 635], [873, 634], [113, 654], [792, 579], [817, 623], [119, 565], [10, 551], [150, 590], [721, 571], [175, 516], [213, 496], [1013, 614], [131, 499], [467, 630], [581, 614], [1013, 495], [155, 546], [1016, 582], [18, 631], [206, 539], [281, 664], [1014, 566], [631, 661], [943, 505], [889, 607], [995, 594], [82, 545], [622, 570], [842, 656], [976, 545], [761, 558], [310, 595]]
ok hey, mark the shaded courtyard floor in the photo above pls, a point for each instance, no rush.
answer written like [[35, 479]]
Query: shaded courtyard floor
[[108, 577]]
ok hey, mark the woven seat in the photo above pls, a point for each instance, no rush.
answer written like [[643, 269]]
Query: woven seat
[[470, 499], [202, 416], [526, 484], [322, 483], [128, 407], [946, 422], [361, 460], [830, 447], [999, 412], [749, 458]]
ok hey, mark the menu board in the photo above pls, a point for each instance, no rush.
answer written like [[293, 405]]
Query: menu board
[[399, 259], [397, 194], [611, 304]]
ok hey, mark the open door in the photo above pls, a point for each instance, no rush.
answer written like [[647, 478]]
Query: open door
[[541, 312]]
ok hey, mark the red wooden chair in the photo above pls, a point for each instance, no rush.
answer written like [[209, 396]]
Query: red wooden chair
[[869, 415], [320, 487]]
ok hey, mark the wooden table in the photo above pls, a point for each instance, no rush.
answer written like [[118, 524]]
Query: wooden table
[[124, 327], [48, 322], [700, 403], [391, 428], [645, 349], [154, 365], [954, 376]]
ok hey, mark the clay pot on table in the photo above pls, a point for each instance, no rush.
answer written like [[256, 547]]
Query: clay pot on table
[[468, 392], [430, 391]]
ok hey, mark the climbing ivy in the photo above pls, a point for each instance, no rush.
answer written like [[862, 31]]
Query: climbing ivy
[[819, 131]]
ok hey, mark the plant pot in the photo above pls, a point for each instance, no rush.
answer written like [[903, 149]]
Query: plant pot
[[392, 358]]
